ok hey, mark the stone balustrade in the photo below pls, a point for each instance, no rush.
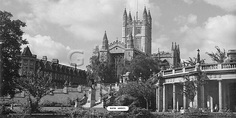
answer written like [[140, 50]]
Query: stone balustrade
[[204, 67]]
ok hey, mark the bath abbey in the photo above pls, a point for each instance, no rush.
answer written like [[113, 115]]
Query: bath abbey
[[136, 40]]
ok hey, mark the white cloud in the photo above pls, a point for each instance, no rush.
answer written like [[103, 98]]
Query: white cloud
[[134, 5], [184, 29], [228, 5], [190, 19], [81, 18], [158, 44], [45, 46], [217, 31], [188, 1]]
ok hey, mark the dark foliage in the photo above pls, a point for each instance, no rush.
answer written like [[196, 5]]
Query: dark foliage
[[11, 34]]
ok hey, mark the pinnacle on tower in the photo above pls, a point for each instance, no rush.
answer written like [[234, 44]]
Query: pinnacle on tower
[[175, 47], [130, 42], [145, 16], [130, 17], [149, 17], [125, 18], [125, 13], [105, 42]]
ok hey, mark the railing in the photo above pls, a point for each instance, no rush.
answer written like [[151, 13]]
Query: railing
[[179, 70], [189, 69], [228, 65], [204, 67], [209, 66], [167, 72]]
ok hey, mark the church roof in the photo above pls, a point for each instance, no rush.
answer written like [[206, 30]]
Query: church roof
[[26, 52]]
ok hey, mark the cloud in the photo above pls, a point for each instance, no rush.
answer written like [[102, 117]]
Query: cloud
[[85, 19], [158, 44], [190, 19], [216, 31], [188, 1], [46, 46], [227, 5], [134, 5]]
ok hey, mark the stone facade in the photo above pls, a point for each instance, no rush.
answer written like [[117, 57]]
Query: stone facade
[[141, 31], [61, 74], [169, 59], [216, 94], [136, 40]]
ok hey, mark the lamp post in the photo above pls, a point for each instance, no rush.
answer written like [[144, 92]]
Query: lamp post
[[1, 68], [198, 56]]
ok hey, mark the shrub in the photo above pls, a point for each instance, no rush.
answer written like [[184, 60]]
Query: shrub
[[141, 113], [66, 103]]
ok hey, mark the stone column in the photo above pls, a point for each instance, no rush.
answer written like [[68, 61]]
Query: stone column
[[203, 97], [211, 104], [184, 98], [158, 98], [174, 97], [220, 96], [164, 98], [224, 95]]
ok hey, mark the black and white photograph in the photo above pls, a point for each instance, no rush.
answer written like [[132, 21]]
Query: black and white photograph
[[117, 58]]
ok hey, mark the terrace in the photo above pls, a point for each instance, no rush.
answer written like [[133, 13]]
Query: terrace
[[203, 67]]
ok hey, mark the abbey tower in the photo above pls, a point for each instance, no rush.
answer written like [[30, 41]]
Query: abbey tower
[[141, 31]]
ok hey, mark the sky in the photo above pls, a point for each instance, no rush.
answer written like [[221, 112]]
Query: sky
[[57, 27]]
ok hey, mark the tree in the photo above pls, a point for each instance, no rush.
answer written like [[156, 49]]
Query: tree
[[143, 66], [141, 91], [11, 33], [193, 61], [219, 56], [100, 71], [36, 86], [193, 85]]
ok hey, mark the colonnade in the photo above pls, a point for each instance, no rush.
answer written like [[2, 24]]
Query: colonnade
[[206, 96]]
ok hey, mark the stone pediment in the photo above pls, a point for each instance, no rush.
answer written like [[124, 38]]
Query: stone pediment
[[117, 47]]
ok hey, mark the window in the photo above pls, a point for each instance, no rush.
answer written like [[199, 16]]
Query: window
[[138, 30]]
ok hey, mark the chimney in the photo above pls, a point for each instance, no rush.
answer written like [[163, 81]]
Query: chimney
[[55, 61], [44, 58]]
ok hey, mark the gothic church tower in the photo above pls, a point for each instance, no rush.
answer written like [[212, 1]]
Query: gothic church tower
[[140, 29], [104, 52]]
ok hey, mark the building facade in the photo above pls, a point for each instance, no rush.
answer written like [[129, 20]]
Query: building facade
[[136, 40], [141, 31], [216, 94], [169, 59], [62, 75]]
